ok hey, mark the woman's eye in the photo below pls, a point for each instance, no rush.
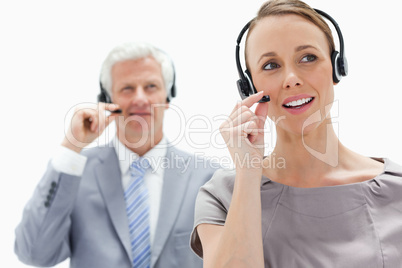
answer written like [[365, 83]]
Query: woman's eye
[[271, 66], [308, 58]]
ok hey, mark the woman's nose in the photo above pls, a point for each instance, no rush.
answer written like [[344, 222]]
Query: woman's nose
[[292, 79]]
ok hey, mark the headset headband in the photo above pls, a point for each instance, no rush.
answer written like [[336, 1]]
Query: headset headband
[[338, 59], [104, 96], [338, 31]]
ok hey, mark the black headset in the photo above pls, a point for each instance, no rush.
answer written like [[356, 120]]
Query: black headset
[[339, 62], [104, 96]]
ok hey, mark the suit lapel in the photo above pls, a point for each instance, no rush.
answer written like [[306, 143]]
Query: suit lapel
[[175, 181], [108, 175]]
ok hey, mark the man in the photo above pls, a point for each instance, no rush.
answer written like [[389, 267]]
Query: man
[[78, 210]]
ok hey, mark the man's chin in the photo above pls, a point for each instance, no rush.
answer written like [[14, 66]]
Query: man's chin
[[138, 131]]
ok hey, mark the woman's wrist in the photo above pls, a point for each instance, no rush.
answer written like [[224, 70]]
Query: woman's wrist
[[249, 174]]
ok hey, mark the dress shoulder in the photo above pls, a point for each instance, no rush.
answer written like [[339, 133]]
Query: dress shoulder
[[387, 186], [212, 204]]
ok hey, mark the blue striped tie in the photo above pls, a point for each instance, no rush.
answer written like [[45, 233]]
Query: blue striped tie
[[137, 201]]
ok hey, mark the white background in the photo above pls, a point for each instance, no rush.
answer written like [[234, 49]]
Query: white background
[[51, 52]]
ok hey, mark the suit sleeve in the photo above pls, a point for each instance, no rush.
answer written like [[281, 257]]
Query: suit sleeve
[[42, 237]]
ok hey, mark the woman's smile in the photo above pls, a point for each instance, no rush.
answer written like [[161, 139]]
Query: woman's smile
[[298, 104]]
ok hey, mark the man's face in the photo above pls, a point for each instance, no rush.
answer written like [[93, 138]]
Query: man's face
[[139, 89]]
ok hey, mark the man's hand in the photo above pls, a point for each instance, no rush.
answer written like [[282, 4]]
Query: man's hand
[[87, 124]]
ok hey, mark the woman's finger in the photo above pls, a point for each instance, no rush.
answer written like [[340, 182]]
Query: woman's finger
[[249, 101]]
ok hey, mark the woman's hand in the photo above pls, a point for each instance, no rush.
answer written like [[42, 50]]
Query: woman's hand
[[243, 132], [87, 124], [238, 243]]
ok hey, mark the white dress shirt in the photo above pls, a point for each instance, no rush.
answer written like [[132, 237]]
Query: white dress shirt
[[72, 163]]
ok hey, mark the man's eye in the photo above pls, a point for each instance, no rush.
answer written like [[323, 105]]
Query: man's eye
[[151, 86], [271, 66], [308, 58]]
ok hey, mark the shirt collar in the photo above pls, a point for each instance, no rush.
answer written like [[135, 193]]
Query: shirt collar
[[126, 156]]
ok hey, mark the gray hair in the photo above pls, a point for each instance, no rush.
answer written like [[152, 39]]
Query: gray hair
[[133, 51]]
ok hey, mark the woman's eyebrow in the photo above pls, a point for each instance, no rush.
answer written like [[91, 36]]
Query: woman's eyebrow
[[300, 48], [297, 49], [268, 54]]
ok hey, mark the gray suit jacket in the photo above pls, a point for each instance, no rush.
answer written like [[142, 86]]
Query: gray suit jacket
[[84, 218]]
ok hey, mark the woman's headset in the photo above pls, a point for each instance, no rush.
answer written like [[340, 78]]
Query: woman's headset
[[339, 62]]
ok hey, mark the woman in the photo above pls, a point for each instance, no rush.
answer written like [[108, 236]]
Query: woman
[[325, 206]]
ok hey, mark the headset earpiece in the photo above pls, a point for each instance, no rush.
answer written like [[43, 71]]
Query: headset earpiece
[[250, 82], [336, 76], [338, 59], [244, 88], [343, 66], [339, 66], [173, 91], [245, 85], [103, 96]]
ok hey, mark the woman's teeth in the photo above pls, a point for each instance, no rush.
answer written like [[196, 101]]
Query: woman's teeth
[[298, 102]]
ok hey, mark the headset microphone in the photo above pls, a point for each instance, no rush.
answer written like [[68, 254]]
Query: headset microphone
[[265, 98]]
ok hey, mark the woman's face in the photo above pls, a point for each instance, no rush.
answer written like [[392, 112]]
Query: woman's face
[[289, 59]]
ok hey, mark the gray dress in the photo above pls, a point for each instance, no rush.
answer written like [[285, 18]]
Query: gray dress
[[352, 225]]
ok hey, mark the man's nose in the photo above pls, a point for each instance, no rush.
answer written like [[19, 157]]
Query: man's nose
[[140, 97]]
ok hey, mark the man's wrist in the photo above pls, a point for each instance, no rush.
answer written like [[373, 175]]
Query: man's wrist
[[69, 161], [66, 143]]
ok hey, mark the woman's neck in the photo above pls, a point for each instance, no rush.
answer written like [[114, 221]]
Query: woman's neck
[[317, 159], [309, 158]]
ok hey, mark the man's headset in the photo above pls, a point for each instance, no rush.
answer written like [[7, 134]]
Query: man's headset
[[103, 96], [339, 62]]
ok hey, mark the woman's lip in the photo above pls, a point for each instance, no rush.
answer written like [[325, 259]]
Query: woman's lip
[[300, 109], [295, 98]]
